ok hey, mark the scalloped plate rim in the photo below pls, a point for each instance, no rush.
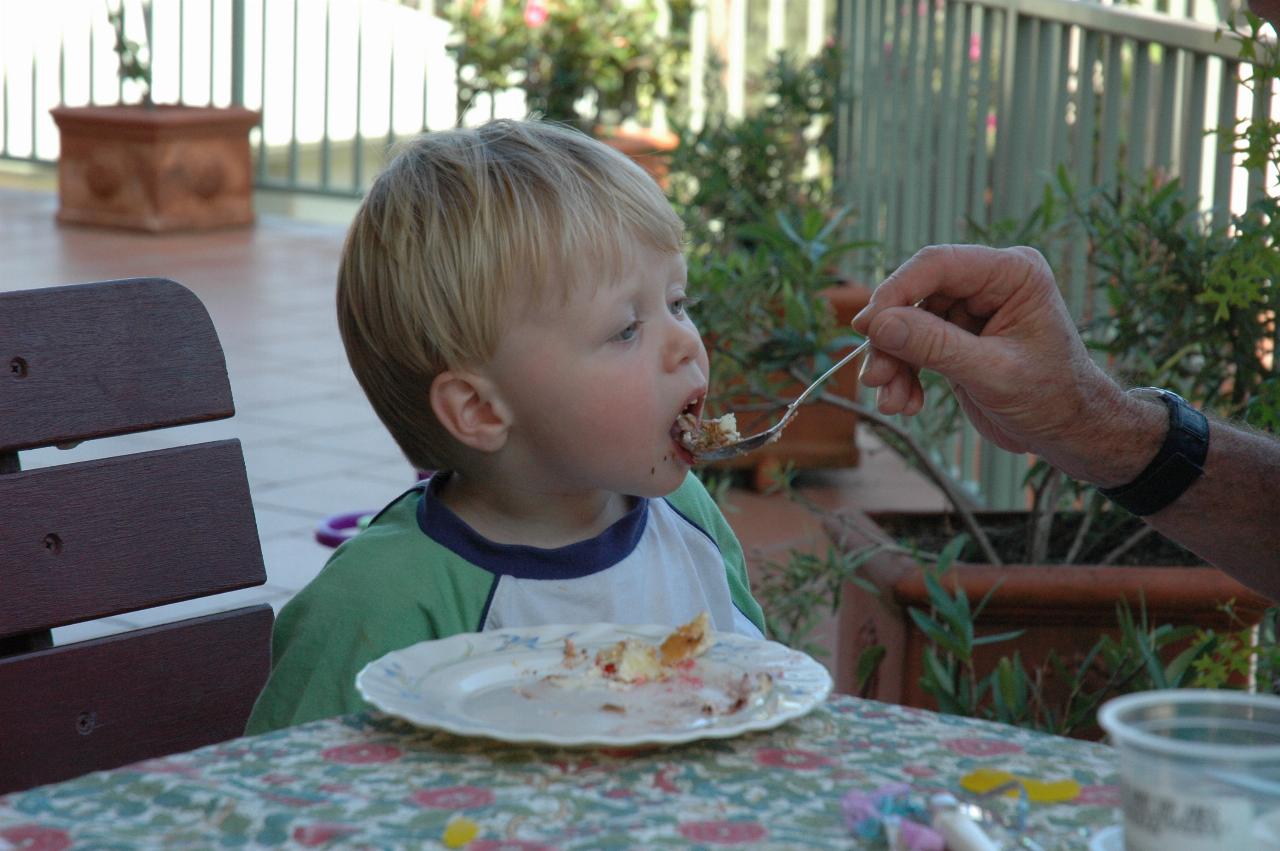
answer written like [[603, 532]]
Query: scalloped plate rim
[[811, 681]]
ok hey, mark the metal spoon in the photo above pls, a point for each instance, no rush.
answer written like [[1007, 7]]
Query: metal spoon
[[755, 441]]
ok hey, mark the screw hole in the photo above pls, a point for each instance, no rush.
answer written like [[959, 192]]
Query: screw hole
[[18, 366], [53, 543], [86, 722]]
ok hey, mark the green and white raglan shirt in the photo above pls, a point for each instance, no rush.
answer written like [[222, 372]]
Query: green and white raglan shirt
[[419, 572]]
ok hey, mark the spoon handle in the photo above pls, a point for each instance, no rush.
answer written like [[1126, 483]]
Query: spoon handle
[[862, 347]]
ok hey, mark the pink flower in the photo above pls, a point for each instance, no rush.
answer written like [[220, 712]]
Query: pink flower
[[290, 800], [975, 47], [918, 770], [982, 747], [453, 797], [1101, 795], [361, 754], [33, 837], [797, 759], [312, 835], [723, 832], [535, 14]]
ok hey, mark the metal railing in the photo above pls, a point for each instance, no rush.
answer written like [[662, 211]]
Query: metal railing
[[954, 110], [960, 111], [337, 81]]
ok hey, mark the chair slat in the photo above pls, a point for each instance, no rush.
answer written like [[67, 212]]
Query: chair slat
[[102, 537], [92, 360], [112, 701]]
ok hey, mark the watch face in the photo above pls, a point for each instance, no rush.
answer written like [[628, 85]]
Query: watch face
[[1155, 394]]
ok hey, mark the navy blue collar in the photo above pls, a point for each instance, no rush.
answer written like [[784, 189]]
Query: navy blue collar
[[438, 522]]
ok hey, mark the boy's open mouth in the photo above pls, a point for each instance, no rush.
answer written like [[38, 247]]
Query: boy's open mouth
[[685, 429]]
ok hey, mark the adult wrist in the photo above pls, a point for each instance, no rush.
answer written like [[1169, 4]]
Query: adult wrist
[[1176, 465]]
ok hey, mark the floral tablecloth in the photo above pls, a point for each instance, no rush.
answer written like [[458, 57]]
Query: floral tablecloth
[[371, 781]]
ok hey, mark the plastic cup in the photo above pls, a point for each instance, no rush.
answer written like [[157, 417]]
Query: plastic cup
[[1199, 769]]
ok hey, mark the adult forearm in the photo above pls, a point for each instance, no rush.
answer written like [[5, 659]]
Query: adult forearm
[[1231, 516]]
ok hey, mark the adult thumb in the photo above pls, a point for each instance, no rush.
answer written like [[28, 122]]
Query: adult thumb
[[924, 341]]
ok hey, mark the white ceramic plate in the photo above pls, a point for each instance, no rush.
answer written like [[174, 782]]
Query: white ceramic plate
[[503, 685]]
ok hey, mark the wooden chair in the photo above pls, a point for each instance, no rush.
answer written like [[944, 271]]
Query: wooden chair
[[104, 537]]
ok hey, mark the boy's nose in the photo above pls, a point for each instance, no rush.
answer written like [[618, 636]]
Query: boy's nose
[[683, 344]]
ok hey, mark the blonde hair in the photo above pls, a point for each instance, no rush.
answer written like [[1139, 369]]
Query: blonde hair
[[458, 225]]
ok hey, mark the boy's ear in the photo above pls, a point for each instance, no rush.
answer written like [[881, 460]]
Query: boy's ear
[[467, 405]]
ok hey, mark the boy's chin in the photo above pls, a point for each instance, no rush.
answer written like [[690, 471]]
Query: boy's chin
[[661, 483]]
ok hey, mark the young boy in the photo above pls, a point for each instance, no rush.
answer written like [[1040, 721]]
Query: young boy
[[512, 300]]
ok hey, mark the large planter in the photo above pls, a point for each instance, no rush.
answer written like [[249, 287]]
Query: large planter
[[1060, 607], [159, 168], [821, 435], [647, 148]]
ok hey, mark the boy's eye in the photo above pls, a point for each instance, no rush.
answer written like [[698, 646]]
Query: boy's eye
[[683, 305], [628, 334]]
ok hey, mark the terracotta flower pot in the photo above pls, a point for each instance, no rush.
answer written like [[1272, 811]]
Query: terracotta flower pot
[[646, 148], [1060, 607], [160, 168]]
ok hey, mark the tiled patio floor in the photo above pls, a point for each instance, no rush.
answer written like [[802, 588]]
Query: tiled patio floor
[[312, 445]]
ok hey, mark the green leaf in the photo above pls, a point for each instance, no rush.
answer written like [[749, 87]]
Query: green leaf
[[939, 636], [998, 637], [868, 663]]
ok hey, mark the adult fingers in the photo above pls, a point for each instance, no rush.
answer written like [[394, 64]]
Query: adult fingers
[[982, 278], [924, 341]]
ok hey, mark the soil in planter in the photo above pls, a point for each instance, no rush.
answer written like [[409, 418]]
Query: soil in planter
[[1010, 535]]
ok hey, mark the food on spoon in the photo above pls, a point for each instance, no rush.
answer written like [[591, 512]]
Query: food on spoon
[[708, 434]]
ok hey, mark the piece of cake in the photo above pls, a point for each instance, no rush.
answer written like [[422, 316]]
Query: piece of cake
[[634, 661], [629, 661], [687, 641], [709, 434]]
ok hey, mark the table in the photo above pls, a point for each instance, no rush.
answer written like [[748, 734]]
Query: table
[[370, 780]]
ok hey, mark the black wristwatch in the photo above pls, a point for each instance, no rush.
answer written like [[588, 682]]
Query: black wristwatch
[[1176, 466]]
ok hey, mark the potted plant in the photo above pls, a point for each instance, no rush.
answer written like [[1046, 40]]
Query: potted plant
[[1193, 309], [771, 263], [153, 167], [1061, 695], [598, 64]]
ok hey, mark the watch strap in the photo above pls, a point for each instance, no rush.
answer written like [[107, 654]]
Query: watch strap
[[1176, 466]]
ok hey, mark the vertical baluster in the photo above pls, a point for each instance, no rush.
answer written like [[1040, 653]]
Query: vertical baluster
[[326, 144], [1193, 134], [213, 31], [391, 85], [1139, 110], [992, 28], [358, 141], [1224, 161], [1083, 168], [1167, 113], [238, 25], [949, 140], [293, 100], [262, 97], [1113, 89]]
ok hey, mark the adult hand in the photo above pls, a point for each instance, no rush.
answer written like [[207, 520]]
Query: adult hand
[[994, 324]]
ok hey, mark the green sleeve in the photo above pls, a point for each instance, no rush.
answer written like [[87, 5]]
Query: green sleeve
[[692, 500], [387, 588]]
